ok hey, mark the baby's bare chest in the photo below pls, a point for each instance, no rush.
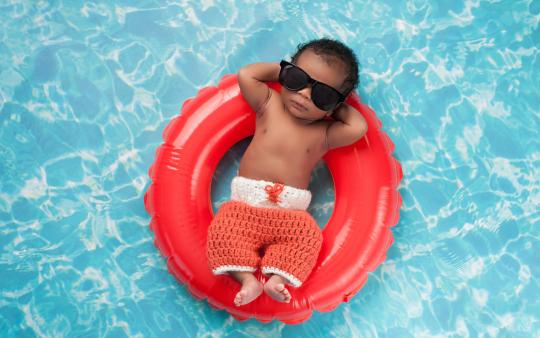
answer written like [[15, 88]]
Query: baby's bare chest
[[283, 153], [298, 142]]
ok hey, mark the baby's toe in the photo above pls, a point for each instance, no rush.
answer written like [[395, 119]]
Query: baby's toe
[[283, 290], [287, 295], [238, 299]]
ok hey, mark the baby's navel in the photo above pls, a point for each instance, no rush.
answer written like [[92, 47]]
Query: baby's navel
[[308, 150], [264, 131]]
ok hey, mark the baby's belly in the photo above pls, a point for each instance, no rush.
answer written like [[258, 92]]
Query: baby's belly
[[275, 169]]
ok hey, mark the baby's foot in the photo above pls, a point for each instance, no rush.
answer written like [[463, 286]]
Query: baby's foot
[[251, 289], [275, 288]]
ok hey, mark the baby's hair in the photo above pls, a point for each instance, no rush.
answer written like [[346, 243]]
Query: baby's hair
[[333, 49]]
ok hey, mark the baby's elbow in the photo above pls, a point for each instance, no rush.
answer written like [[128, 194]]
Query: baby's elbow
[[243, 79], [361, 130], [242, 73]]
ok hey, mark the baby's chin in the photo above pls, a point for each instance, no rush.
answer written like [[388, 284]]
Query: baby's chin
[[304, 115]]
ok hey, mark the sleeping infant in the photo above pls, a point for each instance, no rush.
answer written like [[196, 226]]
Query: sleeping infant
[[265, 224]]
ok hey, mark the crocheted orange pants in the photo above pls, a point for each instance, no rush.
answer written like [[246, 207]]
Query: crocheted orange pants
[[281, 241]]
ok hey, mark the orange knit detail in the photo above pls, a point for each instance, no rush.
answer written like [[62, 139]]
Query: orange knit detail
[[238, 234], [274, 191]]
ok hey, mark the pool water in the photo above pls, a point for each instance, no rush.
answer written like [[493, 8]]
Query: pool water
[[86, 89]]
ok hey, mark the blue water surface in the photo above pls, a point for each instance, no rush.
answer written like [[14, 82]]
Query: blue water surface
[[86, 89]]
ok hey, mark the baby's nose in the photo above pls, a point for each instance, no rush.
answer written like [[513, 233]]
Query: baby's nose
[[306, 92]]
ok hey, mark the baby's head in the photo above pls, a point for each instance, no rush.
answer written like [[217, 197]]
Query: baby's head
[[327, 61]]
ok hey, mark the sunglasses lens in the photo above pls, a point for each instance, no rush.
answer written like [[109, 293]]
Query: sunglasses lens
[[323, 97], [293, 78]]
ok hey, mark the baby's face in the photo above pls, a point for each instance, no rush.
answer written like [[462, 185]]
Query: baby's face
[[299, 103]]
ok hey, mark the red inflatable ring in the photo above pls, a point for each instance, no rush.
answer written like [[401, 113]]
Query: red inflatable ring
[[356, 237]]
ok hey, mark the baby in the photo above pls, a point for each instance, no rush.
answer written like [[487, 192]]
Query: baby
[[265, 224]]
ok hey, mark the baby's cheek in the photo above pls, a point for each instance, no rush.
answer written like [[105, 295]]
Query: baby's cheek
[[316, 111]]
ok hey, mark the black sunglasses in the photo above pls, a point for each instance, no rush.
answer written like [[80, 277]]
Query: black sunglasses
[[323, 96]]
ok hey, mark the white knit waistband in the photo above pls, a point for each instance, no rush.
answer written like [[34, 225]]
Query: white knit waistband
[[255, 193]]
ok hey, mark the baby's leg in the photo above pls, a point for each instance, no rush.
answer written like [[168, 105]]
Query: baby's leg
[[251, 287], [232, 248], [291, 261]]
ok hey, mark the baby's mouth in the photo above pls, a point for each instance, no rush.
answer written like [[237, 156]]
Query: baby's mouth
[[298, 106]]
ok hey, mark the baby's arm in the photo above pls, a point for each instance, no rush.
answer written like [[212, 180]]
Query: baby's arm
[[251, 79], [349, 127]]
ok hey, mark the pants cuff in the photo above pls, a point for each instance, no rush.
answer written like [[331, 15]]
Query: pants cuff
[[220, 270], [289, 277]]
